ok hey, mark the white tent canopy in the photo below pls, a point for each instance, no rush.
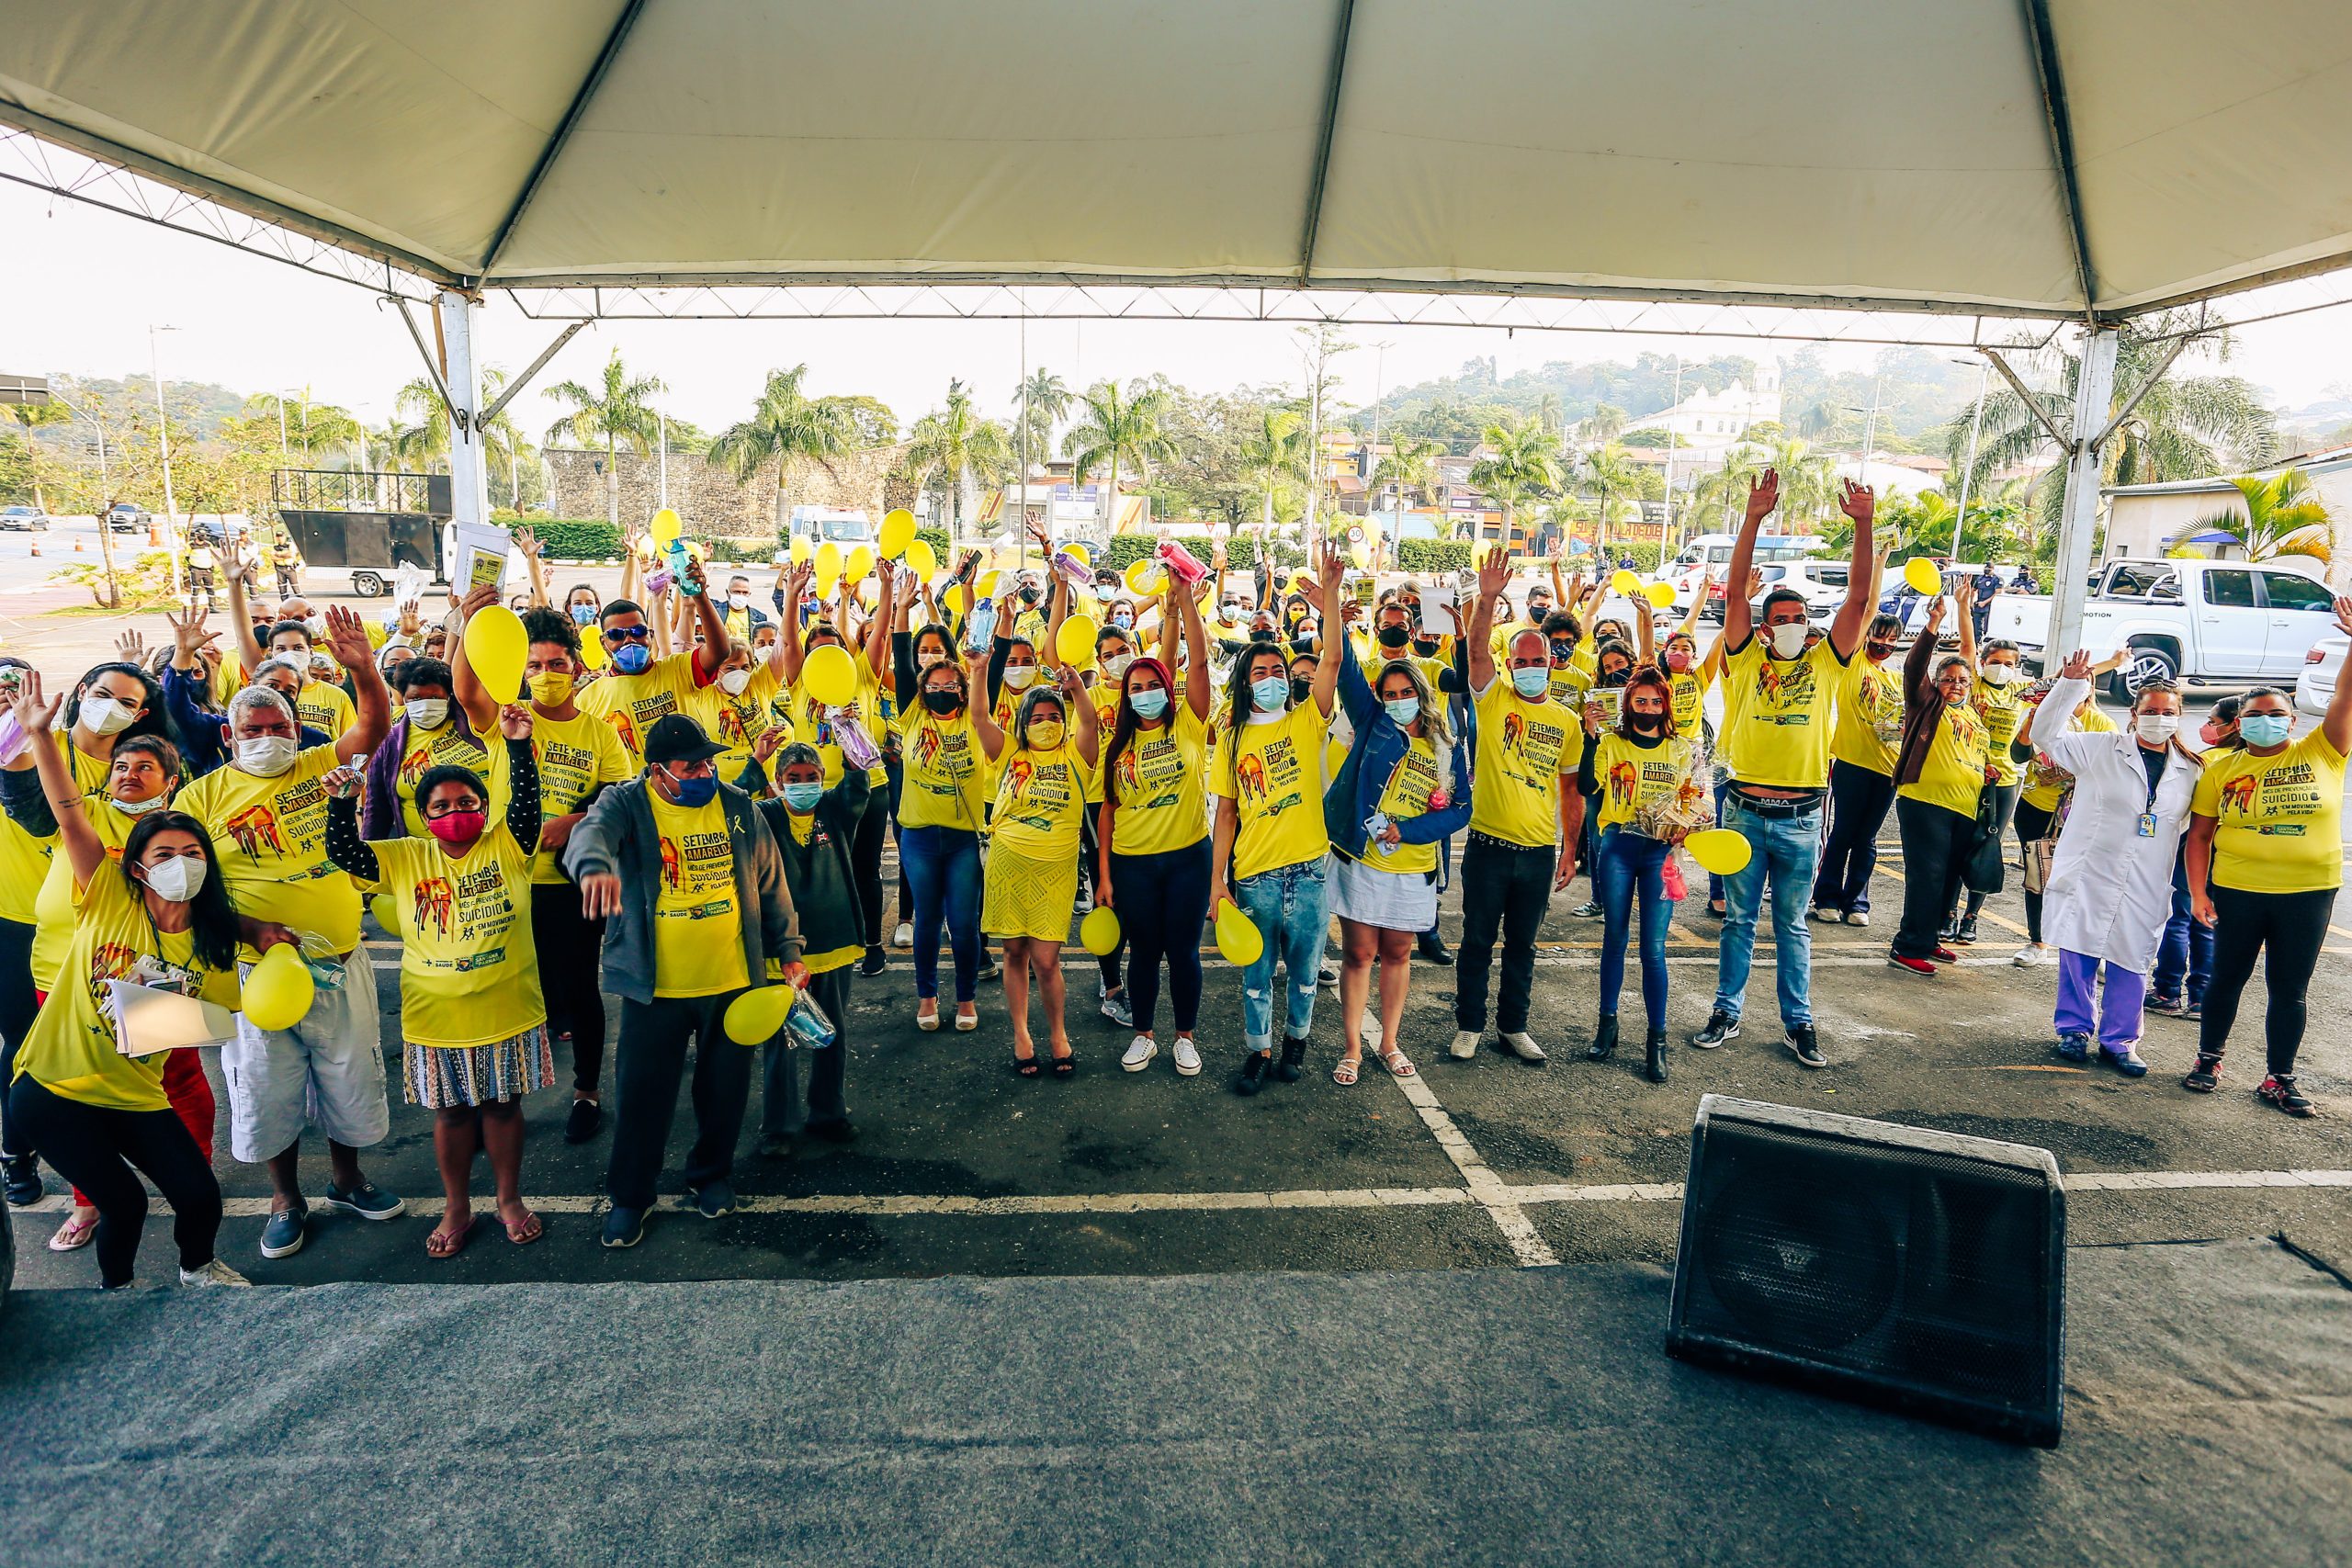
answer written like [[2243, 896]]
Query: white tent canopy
[[2081, 158]]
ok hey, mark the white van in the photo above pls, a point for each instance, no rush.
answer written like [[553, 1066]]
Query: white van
[[819, 525], [1712, 553]]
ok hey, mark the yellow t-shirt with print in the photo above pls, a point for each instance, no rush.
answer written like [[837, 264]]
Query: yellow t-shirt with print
[[56, 909], [943, 775], [1160, 781], [1523, 748], [1406, 793], [470, 972], [326, 708], [1636, 780], [735, 722], [813, 722], [269, 838], [71, 1049], [2045, 783], [576, 757], [698, 921], [445, 747], [2280, 818], [1273, 771], [25, 860], [631, 704], [1952, 775], [1870, 716], [1778, 713], [1040, 796], [2004, 712], [1687, 696]]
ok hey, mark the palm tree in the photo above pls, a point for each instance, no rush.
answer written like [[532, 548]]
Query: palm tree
[[2185, 427], [620, 413], [420, 434], [1614, 477], [1724, 490], [1273, 452], [1041, 400], [786, 423], [2284, 516], [1522, 465], [1808, 479], [1411, 464], [1604, 424], [1112, 430], [955, 442], [310, 424]]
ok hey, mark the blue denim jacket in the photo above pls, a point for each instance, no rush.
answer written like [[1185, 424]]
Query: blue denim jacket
[[1379, 746]]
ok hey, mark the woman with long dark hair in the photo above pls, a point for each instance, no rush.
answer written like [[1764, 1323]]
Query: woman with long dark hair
[[947, 744], [1939, 781]]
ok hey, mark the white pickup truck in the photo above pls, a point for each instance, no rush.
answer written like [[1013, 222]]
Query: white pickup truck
[[2202, 622]]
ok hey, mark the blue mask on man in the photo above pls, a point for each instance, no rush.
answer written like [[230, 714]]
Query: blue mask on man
[[1530, 681], [632, 657], [693, 793]]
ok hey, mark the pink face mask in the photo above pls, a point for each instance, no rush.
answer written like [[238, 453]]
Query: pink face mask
[[458, 828], [1678, 659]]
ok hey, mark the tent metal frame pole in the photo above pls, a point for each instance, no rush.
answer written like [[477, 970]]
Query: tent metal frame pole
[[2155, 374], [455, 316], [1324, 139], [2043, 41], [2093, 385], [2025, 396], [562, 137], [432, 360], [508, 393]]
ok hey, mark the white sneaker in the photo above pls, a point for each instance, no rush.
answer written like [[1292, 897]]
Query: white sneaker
[[904, 936], [1140, 1050], [1857, 916], [213, 1273], [1466, 1044], [1826, 914], [1522, 1046], [2033, 955], [1188, 1057]]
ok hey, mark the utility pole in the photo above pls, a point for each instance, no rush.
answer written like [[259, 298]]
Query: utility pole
[[1960, 517], [1020, 525], [1665, 528], [164, 438], [661, 464]]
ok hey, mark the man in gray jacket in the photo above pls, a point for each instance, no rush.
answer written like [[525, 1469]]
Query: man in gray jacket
[[684, 874]]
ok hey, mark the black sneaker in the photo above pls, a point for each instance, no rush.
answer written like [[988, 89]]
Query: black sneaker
[[22, 1180], [1964, 933], [1805, 1045], [713, 1200], [624, 1227], [1721, 1026], [2202, 1077], [1254, 1075], [875, 962], [581, 1122], [1433, 949], [1293, 1058]]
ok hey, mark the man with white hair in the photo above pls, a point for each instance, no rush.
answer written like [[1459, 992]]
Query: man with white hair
[[267, 811]]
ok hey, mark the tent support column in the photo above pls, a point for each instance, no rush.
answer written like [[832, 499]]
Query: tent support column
[[2094, 385], [455, 316]]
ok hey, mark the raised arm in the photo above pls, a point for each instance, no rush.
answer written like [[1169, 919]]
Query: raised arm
[[983, 712], [529, 542], [515, 721], [1087, 730], [2337, 725], [480, 704], [878, 629], [1196, 649], [1646, 628], [713, 652], [83, 851], [347, 640], [1334, 637], [232, 571], [788, 654], [1859, 503], [1763, 495], [1492, 573], [1965, 601]]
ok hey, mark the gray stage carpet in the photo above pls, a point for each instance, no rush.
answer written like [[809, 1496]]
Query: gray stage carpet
[[1456, 1417]]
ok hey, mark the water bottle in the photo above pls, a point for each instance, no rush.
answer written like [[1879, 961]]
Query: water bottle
[[808, 1025]]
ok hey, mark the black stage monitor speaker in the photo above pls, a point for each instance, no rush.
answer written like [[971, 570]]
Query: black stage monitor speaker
[[1921, 1269]]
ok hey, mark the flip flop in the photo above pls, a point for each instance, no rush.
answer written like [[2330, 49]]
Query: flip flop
[[72, 1236], [529, 1231], [444, 1245]]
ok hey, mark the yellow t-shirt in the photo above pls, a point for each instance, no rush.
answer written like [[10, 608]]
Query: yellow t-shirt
[[470, 973], [1778, 713], [2281, 817], [2003, 710], [71, 1049], [575, 757], [1870, 716], [631, 704], [326, 708], [1952, 776], [698, 921], [1523, 748], [426, 749], [1689, 696], [1106, 698], [270, 836], [1637, 779], [25, 860], [1406, 793], [1162, 785], [1040, 796], [54, 909], [944, 774], [735, 722], [1275, 777], [813, 722], [2046, 783]]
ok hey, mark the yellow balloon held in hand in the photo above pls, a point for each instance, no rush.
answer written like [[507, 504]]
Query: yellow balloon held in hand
[[1098, 932], [1237, 939], [828, 566], [664, 526], [757, 1014], [1661, 595], [860, 564], [922, 560], [592, 648], [801, 549], [1719, 850], [898, 533], [1143, 577], [830, 676], [497, 648], [1074, 642], [278, 989], [388, 913], [1921, 573], [1625, 582]]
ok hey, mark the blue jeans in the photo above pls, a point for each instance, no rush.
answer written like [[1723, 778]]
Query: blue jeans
[[1788, 850], [1628, 863], [942, 867], [2185, 953], [1289, 905]]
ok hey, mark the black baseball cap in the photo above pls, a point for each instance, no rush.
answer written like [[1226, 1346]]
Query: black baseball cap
[[676, 737]]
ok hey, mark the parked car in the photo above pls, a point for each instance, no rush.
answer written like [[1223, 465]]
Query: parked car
[[2203, 622], [24, 519], [125, 518], [1712, 553], [1822, 583], [2323, 667]]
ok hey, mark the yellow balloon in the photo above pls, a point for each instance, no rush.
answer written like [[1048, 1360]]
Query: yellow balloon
[[1237, 939], [1075, 644], [860, 564], [665, 527], [757, 1014], [830, 676], [387, 911], [1921, 573], [1078, 553], [898, 533], [1661, 595], [1720, 850], [801, 549], [1143, 577], [1625, 582], [959, 599], [278, 989], [592, 648], [1098, 932], [921, 559], [496, 646], [985, 584], [828, 566]]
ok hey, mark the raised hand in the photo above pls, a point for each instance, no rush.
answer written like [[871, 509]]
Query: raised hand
[[769, 741], [2344, 615], [132, 648], [34, 714], [1332, 570], [1494, 572], [478, 599], [1856, 501], [347, 638], [343, 783], [529, 542], [1763, 494], [515, 721], [188, 634], [412, 621]]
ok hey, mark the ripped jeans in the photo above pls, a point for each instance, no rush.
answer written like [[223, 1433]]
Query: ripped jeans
[[1289, 905]]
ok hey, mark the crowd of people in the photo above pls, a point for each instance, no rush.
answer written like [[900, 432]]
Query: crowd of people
[[666, 811]]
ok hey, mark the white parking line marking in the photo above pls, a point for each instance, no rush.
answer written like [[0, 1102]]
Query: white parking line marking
[[1490, 1192]]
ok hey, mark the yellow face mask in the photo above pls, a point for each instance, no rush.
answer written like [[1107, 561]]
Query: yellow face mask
[[1045, 734], [552, 688]]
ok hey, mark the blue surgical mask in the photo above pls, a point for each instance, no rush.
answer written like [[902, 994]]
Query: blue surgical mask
[[1149, 702], [1404, 710], [632, 657], [583, 614], [1270, 695], [1530, 681], [694, 791], [804, 796], [2264, 729]]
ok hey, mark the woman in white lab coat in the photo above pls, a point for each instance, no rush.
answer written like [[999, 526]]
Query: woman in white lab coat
[[2111, 880]]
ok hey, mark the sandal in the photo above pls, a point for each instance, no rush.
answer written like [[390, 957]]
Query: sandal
[[928, 1022], [529, 1231], [1065, 1064], [1399, 1066], [73, 1234], [966, 1022], [1343, 1071], [446, 1244], [1027, 1066]]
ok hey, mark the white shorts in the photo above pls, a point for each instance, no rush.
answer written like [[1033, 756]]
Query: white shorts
[[326, 1072]]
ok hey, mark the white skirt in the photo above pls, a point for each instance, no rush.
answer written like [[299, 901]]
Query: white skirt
[[1389, 900]]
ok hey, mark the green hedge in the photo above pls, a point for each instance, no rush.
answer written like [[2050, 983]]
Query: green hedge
[[942, 545], [1240, 555], [577, 538], [1434, 555], [1645, 553]]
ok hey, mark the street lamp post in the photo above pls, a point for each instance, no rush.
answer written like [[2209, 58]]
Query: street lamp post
[[1968, 470], [164, 441]]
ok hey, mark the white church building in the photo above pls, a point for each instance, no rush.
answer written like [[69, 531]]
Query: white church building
[[1711, 422]]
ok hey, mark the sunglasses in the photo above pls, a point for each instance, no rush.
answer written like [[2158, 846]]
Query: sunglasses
[[629, 634]]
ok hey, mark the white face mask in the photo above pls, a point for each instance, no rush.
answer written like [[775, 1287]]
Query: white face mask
[[267, 756], [1116, 665], [1998, 674], [427, 713], [732, 682], [1020, 676], [2155, 728], [740, 601], [139, 807], [1787, 639], [177, 879], [103, 714]]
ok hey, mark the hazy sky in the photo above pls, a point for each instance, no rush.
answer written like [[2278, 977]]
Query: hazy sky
[[82, 285]]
